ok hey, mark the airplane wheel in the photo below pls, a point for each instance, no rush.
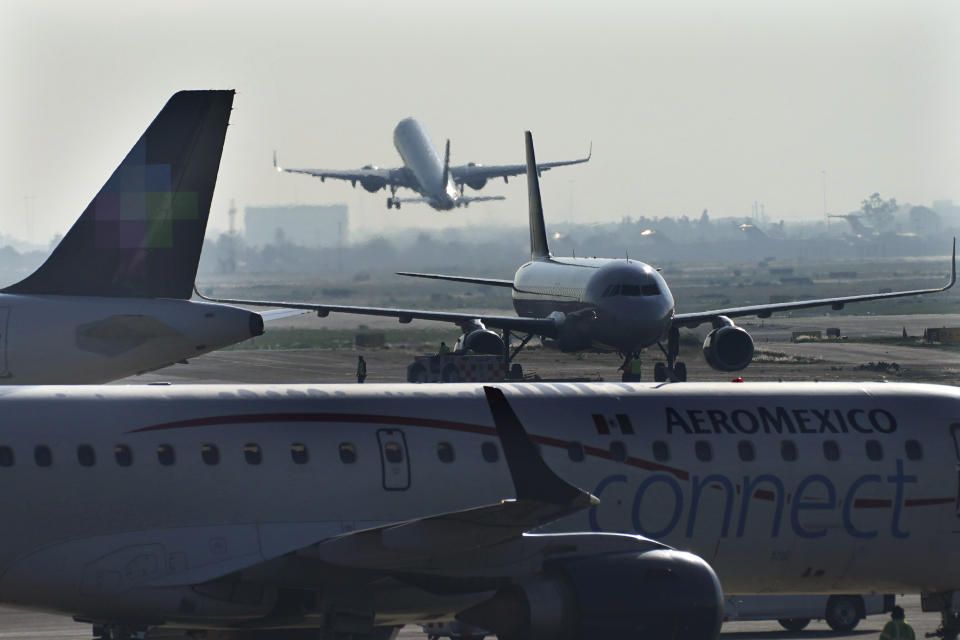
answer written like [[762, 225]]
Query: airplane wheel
[[794, 624], [680, 372], [842, 613], [397, 204], [417, 373], [659, 372], [389, 203], [450, 373]]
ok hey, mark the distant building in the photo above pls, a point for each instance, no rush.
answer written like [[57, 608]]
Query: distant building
[[305, 225]]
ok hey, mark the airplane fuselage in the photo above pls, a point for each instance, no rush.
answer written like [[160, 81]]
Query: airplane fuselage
[[421, 158], [613, 304], [87, 340], [119, 498]]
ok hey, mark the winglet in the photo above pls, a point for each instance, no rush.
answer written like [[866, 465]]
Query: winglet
[[953, 266], [538, 232], [275, 164], [532, 478], [590, 152]]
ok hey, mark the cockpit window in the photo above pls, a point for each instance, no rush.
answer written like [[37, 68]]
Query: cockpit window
[[632, 290]]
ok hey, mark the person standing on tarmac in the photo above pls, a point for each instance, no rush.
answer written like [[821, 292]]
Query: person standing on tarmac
[[444, 349], [897, 628], [631, 369], [361, 369]]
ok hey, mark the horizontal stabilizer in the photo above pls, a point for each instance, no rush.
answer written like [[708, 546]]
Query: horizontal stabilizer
[[142, 234]]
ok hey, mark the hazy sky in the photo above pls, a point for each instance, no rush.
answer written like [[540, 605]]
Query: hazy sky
[[689, 105]]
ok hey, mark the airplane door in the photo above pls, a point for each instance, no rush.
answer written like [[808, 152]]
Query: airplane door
[[4, 315], [394, 460], [955, 432]]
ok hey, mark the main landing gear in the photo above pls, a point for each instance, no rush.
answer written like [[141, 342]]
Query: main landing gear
[[672, 370], [948, 604], [392, 202]]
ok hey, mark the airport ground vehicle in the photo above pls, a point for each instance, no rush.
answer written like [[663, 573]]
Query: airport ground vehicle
[[794, 612], [456, 367]]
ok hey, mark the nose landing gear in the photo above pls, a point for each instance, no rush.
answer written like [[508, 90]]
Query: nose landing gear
[[672, 370], [948, 604]]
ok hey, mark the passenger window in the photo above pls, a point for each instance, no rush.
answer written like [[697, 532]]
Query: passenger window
[[123, 455], [393, 452], [299, 453], [86, 456], [874, 450], [490, 452], [210, 454], [831, 450], [6, 457], [703, 451], [575, 452], [252, 453], [445, 452], [661, 451], [788, 450], [746, 451], [348, 453], [618, 451], [165, 455], [42, 455], [913, 450]]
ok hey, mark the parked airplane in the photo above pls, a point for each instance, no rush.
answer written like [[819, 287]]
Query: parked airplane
[[112, 300], [423, 171], [621, 305], [351, 510]]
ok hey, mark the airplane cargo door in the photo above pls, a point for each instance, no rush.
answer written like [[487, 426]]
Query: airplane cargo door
[[955, 432], [393, 457], [4, 316]]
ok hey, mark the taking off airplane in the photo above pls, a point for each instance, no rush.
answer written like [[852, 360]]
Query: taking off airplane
[[321, 511]]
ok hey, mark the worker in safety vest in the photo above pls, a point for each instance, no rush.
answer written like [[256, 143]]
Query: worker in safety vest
[[444, 349], [631, 368], [897, 628], [361, 369]]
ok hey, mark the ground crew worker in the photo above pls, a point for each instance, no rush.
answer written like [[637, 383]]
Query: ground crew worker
[[444, 349], [630, 368], [361, 369], [897, 628]]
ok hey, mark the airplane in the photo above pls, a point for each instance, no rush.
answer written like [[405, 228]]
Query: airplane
[[535, 511], [613, 304], [113, 298], [439, 184]]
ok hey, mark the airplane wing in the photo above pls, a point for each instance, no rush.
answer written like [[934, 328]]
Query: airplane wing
[[547, 327], [765, 310], [465, 172], [399, 177], [279, 314], [438, 276]]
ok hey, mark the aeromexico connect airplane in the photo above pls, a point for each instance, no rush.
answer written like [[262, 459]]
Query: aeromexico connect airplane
[[112, 300], [620, 305], [321, 512], [439, 184]]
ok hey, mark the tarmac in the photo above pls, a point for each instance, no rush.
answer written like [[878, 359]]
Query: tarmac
[[837, 360]]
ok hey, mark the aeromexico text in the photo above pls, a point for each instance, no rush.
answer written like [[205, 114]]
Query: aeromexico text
[[779, 420]]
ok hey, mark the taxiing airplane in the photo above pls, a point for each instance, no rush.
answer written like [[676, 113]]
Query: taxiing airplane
[[320, 511], [614, 304], [423, 171], [112, 300]]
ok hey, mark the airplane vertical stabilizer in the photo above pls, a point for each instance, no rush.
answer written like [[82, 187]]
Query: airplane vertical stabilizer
[[538, 232], [142, 234]]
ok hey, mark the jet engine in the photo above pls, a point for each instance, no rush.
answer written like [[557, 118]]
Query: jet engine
[[655, 595], [728, 348], [481, 341], [372, 183], [476, 182]]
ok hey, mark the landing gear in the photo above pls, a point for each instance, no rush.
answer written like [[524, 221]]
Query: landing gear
[[948, 604], [393, 200], [515, 371], [673, 370]]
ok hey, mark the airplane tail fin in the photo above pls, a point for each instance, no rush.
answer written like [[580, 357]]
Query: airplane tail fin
[[446, 165], [538, 232], [142, 234]]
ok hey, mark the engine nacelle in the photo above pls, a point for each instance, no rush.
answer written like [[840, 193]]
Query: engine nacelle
[[728, 348], [475, 183], [481, 341], [373, 183], [654, 595]]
